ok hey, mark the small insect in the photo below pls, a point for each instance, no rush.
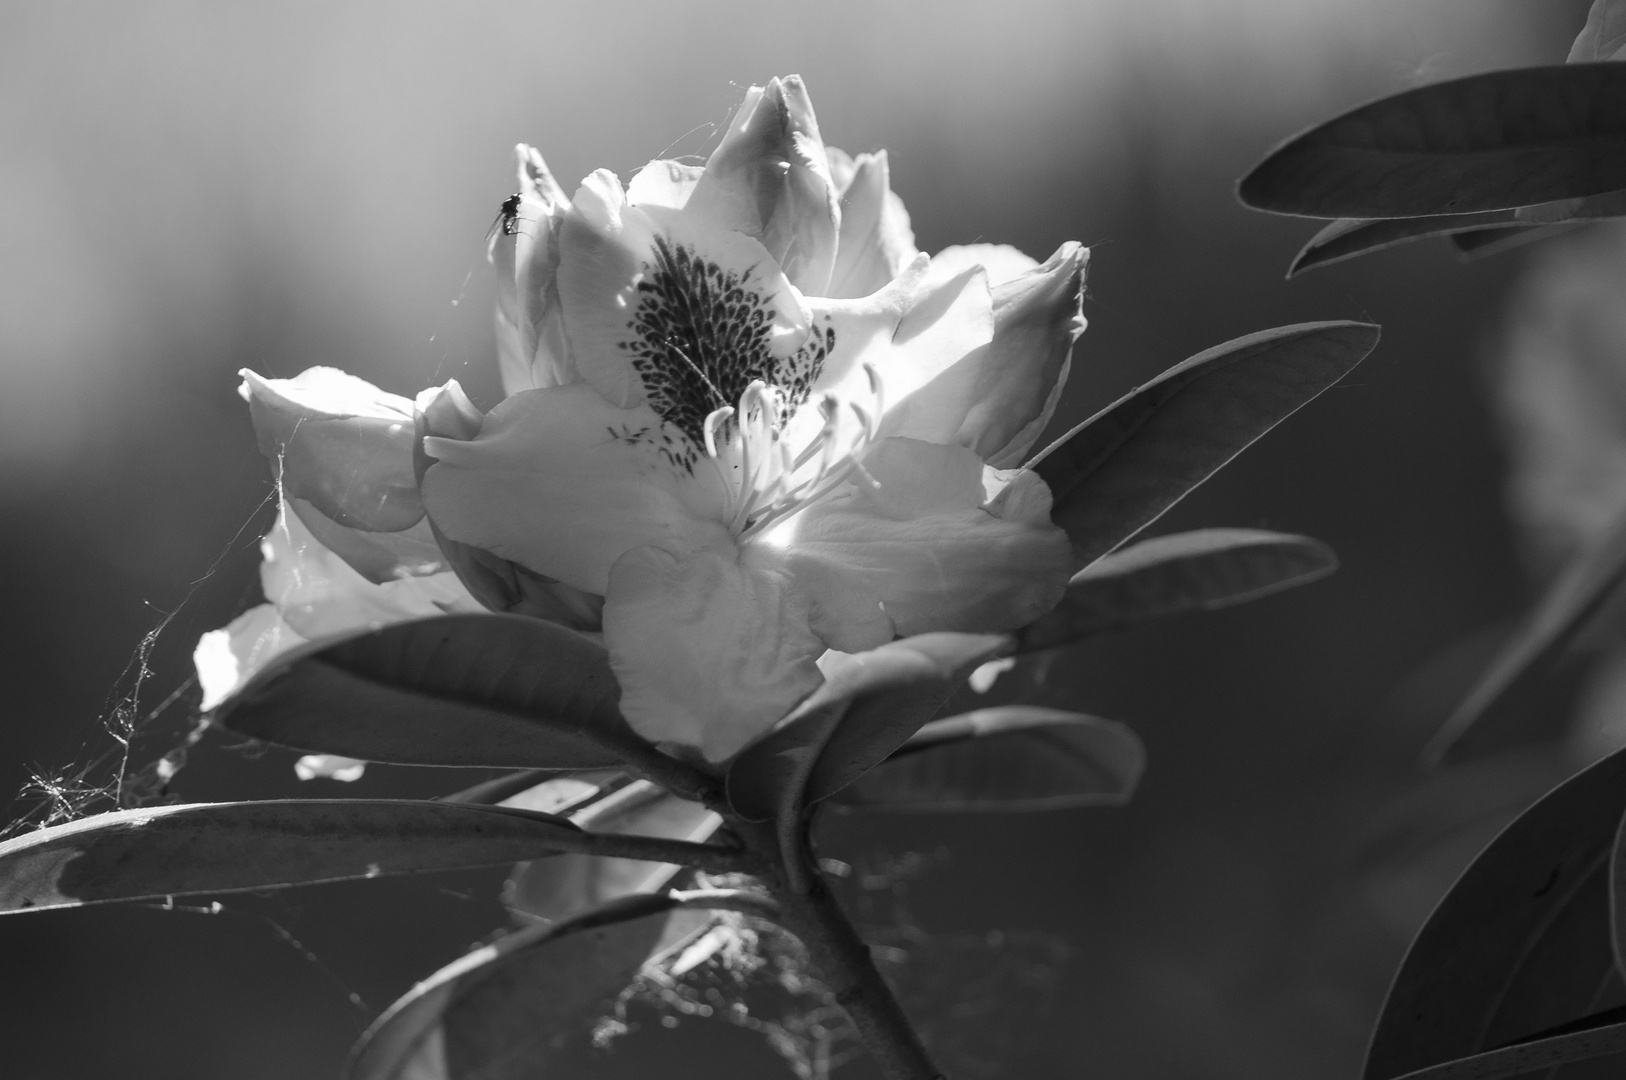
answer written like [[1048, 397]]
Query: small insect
[[507, 219]]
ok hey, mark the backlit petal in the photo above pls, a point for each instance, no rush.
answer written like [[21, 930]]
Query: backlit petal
[[769, 178], [531, 348], [930, 547], [227, 658], [376, 556], [318, 593], [1001, 261], [708, 653], [339, 442], [562, 482], [876, 240]]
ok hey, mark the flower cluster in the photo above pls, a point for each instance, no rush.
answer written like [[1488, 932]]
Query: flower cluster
[[747, 424]]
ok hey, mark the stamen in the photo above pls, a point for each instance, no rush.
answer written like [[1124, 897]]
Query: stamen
[[714, 420]]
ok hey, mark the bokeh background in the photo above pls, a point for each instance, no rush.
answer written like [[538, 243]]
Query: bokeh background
[[187, 189]]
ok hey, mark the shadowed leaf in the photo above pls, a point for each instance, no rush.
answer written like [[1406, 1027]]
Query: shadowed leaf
[[1349, 237], [1118, 471], [234, 847], [496, 690], [1520, 945], [1577, 594], [866, 708], [510, 1010], [1492, 141], [1529, 1056], [1018, 757], [562, 886], [1169, 575], [1482, 243]]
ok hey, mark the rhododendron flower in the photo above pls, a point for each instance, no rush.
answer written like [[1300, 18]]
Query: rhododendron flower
[[746, 423]]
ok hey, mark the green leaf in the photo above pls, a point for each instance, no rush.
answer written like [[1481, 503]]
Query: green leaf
[[243, 846], [1349, 237], [510, 1010], [1181, 572], [1520, 944], [865, 709], [1604, 35], [1118, 471], [563, 886], [1492, 141], [1017, 757], [1578, 593], [491, 690]]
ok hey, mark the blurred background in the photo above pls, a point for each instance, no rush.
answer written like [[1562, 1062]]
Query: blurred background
[[187, 189]]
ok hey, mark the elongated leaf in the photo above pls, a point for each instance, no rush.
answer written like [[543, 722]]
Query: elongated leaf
[[864, 710], [1349, 237], [1604, 35], [1574, 597], [1168, 575], [1520, 945], [1018, 757], [1121, 469], [1492, 141], [1617, 898], [1531, 1056], [497, 690], [510, 1010], [563, 886], [1472, 244], [236, 847]]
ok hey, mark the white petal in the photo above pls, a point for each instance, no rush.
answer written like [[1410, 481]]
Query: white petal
[[1001, 261], [709, 653], [227, 658], [926, 546], [563, 483], [876, 240]]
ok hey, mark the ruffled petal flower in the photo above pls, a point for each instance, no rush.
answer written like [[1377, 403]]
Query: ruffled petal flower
[[709, 652], [340, 443]]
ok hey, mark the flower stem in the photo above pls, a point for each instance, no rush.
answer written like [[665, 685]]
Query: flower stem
[[839, 957], [842, 960]]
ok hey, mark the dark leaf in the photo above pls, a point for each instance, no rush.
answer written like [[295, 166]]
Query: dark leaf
[[1492, 141], [1349, 237], [1531, 1056], [1168, 575], [1520, 944], [1121, 469], [1578, 593], [1482, 243], [235, 847], [863, 711], [496, 690], [510, 1010], [1017, 757]]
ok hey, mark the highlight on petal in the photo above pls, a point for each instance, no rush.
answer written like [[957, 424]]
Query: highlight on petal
[[1001, 261], [664, 312], [318, 593], [929, 545], [330, 767], [769, 178], [709, 653], [562, 482], [663, 182], [376, 556], [227, 658], [531, 350], [876, 242], [340, 443]]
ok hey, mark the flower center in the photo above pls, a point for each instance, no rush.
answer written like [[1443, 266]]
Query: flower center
[[767, 478], [702, 335]]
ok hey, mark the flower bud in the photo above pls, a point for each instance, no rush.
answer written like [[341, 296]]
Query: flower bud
[[339, 443], [531, 347]]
